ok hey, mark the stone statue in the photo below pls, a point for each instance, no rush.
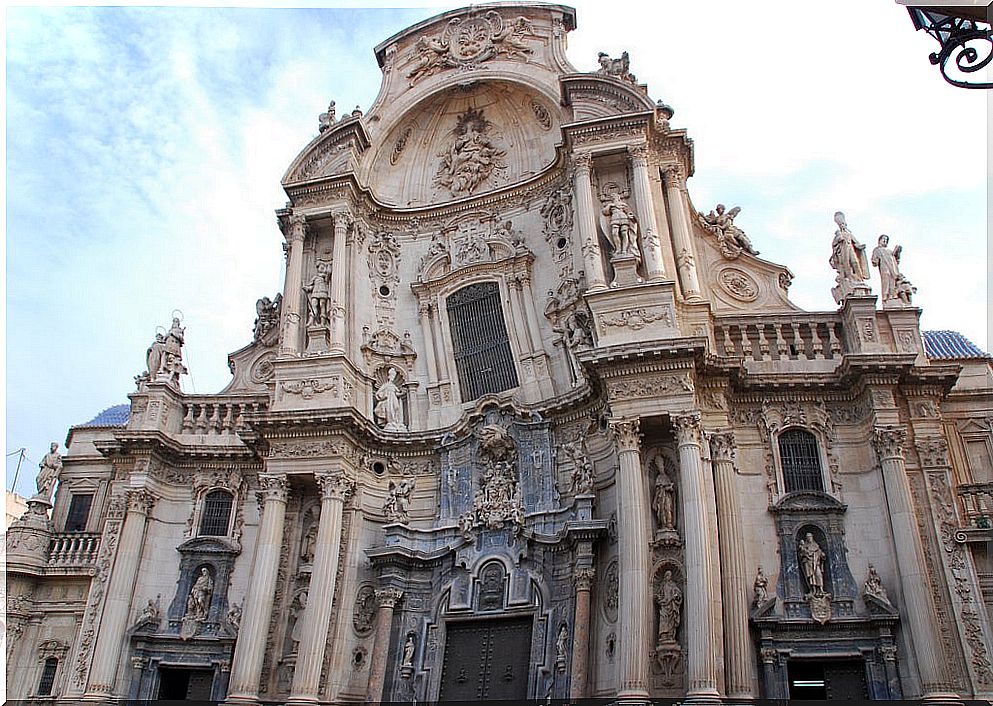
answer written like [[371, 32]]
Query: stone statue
[[561, 647], [319, 297], [165, 356], [812, 563], [198, 604], [622, 227], [498, 500], [48, 472], [150, 616], [618, 68], [326, 120], [664, 501], [669, 598], [308, 544], [471, 157], [267, 311], [154, 357], [575, 327], [874, 585], [895, 287], [297, 609], [731, 238], [760, 587], [849, 261], [409, 645], [582, 468], [398, 500], [234, 618], [389, 406]]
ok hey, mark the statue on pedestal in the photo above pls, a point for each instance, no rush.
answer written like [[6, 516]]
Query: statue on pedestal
[[389, 406], [618, 68], [319, 297], [669, 598], [812, 563], [48, 472], [760, 588], [398, 500], [849, 261], [621, 227], [896, 289], [664, 501]]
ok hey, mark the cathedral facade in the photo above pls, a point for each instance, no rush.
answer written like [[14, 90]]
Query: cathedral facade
[[524, 424]]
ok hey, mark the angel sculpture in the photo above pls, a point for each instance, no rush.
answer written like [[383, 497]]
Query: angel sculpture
[[619, 68], [730, 237], [326, 120], [508, 39]]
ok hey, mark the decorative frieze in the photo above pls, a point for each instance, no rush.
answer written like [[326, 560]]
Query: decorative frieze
[[649, 386]]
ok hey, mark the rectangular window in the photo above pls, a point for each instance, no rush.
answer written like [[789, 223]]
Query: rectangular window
[[79, 513], [48, 677], [980, 463], [483, 359]]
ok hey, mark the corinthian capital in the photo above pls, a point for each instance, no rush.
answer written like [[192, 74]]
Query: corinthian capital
[[335, 486], [584, 578], [342, 220], [722, 446], [673, 174], [388, 597], [294, 227], [639, 155], [687, 428], [583, 162], [140, 501], [889, 442], [273, 487], [933, 451], [627, 433]]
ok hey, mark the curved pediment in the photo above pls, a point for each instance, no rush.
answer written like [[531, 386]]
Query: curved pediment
[[593, 96]]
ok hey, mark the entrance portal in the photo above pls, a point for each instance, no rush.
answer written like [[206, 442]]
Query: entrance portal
[[836, 681], [177, 684], [486, 660]]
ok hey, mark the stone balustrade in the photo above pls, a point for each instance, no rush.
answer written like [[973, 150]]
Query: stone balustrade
[[977, 504], [790, 337], [73, 550], [211, 415]]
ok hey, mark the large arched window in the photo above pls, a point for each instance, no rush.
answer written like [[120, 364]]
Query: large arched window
[[800, 460], [216, 516], [482, 353]]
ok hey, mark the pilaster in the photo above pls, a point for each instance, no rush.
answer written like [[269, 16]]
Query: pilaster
[[675, 184], [295, 231], [586, 221]]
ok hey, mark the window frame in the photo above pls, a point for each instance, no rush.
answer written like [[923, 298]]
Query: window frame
[[822, 458], [89, 511], [201, 507]]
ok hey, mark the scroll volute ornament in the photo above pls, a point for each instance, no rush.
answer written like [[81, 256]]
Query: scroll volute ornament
[[889, 442], [336, 486], [626, 433]]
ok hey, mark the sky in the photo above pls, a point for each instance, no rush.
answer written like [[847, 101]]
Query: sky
[[144, 150]]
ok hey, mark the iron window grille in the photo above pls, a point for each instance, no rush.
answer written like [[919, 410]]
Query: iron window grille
[[79, 513], [800, 460], [483, 359], [216, 515], [47, 682]]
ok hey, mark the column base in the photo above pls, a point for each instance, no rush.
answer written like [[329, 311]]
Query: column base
[[241, 700], [632, 700], [703, 697], [941, 697], [298, 700]]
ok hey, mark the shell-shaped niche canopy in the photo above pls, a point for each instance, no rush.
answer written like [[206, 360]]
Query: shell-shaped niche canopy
[[464, 141]]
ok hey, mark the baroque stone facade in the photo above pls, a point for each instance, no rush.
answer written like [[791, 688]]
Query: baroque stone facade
[[674, 483]]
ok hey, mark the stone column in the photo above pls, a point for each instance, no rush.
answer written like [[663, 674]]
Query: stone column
[[295, 231], [246, 667], [651, 245], [738, 651], [633, 536], [424, 309], [339, 278], [912, 567], [527, 295], [581, 633], [586, 222], [386, 601], [697, 622], [681, 231], [335, 488], [120, 590]]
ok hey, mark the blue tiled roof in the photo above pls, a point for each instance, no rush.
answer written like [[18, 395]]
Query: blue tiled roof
[[116, 416], [950, 345]]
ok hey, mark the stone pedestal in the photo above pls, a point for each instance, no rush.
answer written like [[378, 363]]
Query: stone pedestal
[[642, 312], [625, 271], [29, 537], [318, 339], [858, 316]]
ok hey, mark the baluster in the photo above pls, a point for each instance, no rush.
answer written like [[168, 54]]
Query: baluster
[[763, 343], [726, 341], [188, 419], [815, 341], [834, 342], [746, 343], [229, 418], [782, 350], [201, 423], [215, 419], [797, 341]]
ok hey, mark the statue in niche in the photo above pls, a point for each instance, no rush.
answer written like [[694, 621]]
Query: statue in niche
[[575, 327], [267, 311], [664, 501], [760, 588], [319, 297], [618, 68], [150, 616], [896, 287], [308, 544], [407, 660], [326, 120], [561, 647], [472, 156], [669, 598], [621, 227], [398, 500], [297, 609], [874, 586], [812, 563], [731, 239], [849, 261], [389, 405], [198, 603], [48, 472]]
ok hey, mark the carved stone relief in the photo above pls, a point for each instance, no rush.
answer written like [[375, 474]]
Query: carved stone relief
[[739, 284], [472, 155]]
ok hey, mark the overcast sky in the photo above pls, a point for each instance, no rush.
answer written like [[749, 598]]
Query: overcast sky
[[145, 148]]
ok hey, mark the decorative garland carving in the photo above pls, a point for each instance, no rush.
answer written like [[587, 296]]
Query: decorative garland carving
[[649, 386], [637, 319]]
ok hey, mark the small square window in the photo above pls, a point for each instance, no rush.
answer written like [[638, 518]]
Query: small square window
[[79, 513]]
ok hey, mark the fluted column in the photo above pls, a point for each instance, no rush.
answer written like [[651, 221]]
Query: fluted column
[[335, 488], [681, 232], [295, 231], [424, 310], [527, 295], [386, 602], [339, 278], [697, 623], [650, 243], [586, 221], [738, 652], [581, 633], [633, 537], [912, 568], [246, 666], [120, 590]]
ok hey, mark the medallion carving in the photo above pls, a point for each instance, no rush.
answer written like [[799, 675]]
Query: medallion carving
[[739, 284]]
